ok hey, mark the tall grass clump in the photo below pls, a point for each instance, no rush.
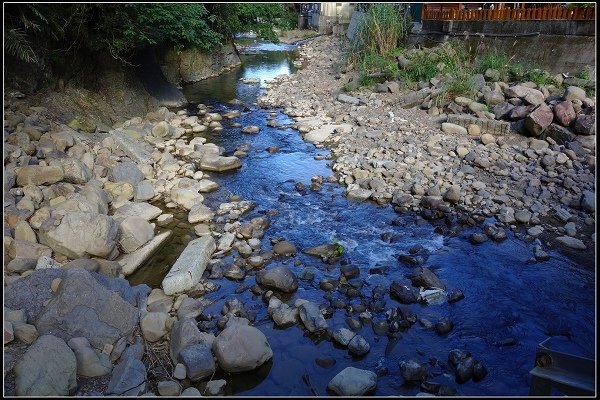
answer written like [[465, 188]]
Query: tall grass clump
[[383, 30]]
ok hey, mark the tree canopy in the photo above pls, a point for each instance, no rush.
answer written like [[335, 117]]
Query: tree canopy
[[122, 29]]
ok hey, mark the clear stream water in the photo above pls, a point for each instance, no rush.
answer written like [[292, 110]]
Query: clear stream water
[[505, 296]]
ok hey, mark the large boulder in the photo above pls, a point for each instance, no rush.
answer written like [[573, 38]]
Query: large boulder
[[80, 234], [539, 120], [282, 314], [241, 348], [83, 308], [585, 124], [48, 368], [353, 382], [279, 278], [574, 93], [404, 292]]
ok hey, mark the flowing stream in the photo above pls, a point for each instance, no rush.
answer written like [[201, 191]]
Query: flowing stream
[[510, 305]]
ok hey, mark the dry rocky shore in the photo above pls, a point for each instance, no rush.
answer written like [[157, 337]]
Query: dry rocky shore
[[78, 219]]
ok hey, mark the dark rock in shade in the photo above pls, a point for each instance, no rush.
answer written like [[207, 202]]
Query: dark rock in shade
[[444, 326], [520, 112], [424, 277], [560, 134], [479, 371], [325, 362], [464, 370], [446, 390], [411, 260], [350, 271], [478, 238], [430, 387], [198, 360], [585, 124], [279, 278], [502, 110], [412, 371], [404, 292], [455, 295], [456, 356]]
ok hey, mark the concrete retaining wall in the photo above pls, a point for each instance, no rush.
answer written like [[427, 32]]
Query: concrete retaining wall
[[544, 27]]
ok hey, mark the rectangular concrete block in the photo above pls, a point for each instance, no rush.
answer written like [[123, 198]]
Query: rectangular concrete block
[[132, 261], [493, 127], [189, 267]]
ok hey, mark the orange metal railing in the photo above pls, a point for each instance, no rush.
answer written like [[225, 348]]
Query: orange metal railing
[[519, 14]]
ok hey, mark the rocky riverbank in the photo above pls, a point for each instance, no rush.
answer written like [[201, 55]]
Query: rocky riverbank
[[87, 206], [541, 187]]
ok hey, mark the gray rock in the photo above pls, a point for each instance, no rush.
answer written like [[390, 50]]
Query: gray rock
[[169, 388], [143, 191], [358, 194], [571, 242], [502, 110], [493, 98], [353, 382], [126, 171], [134, 232], [311, 317], [192, 392], [453, 129], [200, 213], [20, 265], [219, 163], [215, 388], [453, 194], [48, 368], [154, 326], [74, 170], [588, 201], [241, 348], [344, 98], [282, 314], [198, 361], [90, 362], [128, 378], [412, 371], [82, 307], [358, 346], [279, 278], [574, 93], [74, 238], [143, 210], [523, 216], [343, 336], [284, 248], [184, 332]]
